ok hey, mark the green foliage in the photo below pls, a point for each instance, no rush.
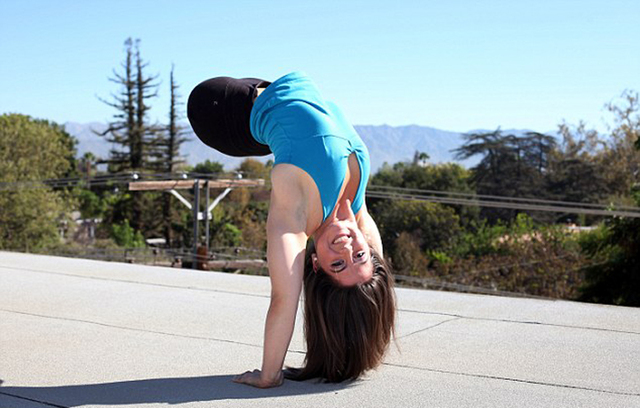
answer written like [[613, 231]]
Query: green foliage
[[407, 256], [517, 257], [133, 138], [239, 221], [614, 276], [439, 257], [440, 177], [252, 168], [227, 235], [510, 166], [433, 225], [208, 167], [614, 249], [169, 139], [32, 150], [480, 240], [29, 218], [501, 238], [118, 207], [543, 261], [411, 228], [91, 205], [137, 145], [125, 236]]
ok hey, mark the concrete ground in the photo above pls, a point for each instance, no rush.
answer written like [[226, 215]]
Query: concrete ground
[[80, 333]]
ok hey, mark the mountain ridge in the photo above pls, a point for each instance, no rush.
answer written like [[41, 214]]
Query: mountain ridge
[[386, 144]]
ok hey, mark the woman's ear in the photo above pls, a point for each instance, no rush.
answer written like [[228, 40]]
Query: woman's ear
[[314, 262]]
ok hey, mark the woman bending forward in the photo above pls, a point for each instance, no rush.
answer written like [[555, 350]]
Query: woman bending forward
[[318, 182]]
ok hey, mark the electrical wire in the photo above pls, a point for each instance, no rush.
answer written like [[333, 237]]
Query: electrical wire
[[374, 191], [484, 196], [504, 204]]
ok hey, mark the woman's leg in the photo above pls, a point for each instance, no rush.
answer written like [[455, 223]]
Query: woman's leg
[[219, 110]]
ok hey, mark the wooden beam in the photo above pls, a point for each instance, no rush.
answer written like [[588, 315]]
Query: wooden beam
[[187, 184]]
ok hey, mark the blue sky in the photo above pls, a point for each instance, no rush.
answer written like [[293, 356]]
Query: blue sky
[[454, 65]]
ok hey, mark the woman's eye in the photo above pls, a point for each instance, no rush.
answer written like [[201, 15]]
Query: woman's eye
[[337, 264], [360, 255]]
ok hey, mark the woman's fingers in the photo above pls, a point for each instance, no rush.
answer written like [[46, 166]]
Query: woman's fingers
[[254, 378], [240, 377]]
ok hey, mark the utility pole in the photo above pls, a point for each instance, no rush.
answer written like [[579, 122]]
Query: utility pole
[[207, 215], [196, 213]]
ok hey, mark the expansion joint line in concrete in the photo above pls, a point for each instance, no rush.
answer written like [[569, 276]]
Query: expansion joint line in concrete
[[48, 404], [113, 326], [489, 319], [162, 285], [516, 380], [267, 296], [429, 328]]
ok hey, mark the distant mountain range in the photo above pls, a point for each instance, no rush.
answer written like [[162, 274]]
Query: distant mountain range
[[390, 144]]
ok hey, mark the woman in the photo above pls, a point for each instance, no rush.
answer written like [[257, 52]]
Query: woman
[[318, 182]]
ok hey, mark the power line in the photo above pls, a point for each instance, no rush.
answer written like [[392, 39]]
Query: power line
[[375, 191], [504, 204], [503, 198]]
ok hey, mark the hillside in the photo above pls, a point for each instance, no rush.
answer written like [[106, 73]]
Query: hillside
[[389, 144]]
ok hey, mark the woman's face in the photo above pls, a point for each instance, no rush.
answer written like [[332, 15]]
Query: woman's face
[[342, 251]]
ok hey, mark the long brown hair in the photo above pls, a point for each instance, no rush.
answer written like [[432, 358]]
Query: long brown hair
[[347, 329]]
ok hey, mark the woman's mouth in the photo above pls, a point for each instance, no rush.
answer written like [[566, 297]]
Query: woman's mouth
[[341, 238]]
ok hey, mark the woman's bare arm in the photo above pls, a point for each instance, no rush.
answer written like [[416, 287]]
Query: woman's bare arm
[[286, 242]]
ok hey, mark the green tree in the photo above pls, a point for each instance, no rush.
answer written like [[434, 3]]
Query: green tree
[[432, 226], [622, 153], [591, 167], [614, 249], [576, 173], [132, 136], [91, 205], [511, 166], [122, 132], [32, 151], [127, 237], [435, 177], [614, 275], [252, 168], [208, 167], [166, 152]]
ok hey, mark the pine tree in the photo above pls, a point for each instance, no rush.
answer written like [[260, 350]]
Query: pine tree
[[131, 134], [510, 166], [168, 152], [119, 132], [145, 133]]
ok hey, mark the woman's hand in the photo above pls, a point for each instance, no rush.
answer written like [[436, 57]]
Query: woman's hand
[[254, 378]]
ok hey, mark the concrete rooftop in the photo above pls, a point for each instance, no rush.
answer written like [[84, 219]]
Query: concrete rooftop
[[80, 333]]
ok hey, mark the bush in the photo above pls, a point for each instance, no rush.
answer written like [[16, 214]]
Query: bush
[[433, 226], [613, 275], [30, 151], [516, 257], [547, 262], [407, 257], [125, 236]]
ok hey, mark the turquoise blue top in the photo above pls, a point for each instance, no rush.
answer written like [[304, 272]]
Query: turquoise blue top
[[303, 129]]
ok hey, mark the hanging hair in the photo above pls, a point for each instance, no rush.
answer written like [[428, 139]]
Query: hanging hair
[[347, 329]]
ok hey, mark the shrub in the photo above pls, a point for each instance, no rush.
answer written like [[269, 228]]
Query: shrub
[[125, 236]]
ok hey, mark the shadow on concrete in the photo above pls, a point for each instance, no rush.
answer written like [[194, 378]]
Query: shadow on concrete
[[164, 390]]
